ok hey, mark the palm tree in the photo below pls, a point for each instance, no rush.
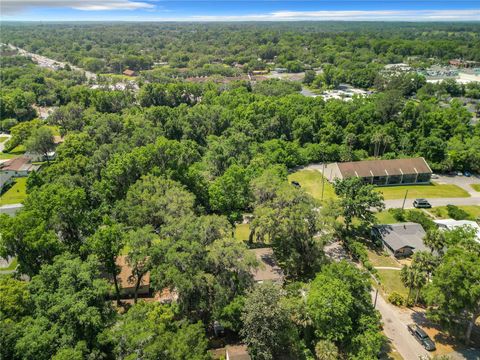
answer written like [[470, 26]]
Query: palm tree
[[326, 350], [435, 240]]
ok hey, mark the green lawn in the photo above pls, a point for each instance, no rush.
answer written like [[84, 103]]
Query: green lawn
[[390, 280], [475, 187], [7, 156], [242, 231], [12, 266], [16, 194], [385, 217], [422, 191], [3, 138], [311, 182], [381, 259], [441, 211]]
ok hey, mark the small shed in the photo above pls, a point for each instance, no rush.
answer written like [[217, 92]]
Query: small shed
[[129, 72]]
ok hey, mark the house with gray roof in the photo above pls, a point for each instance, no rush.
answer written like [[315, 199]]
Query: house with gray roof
[[401, 240]]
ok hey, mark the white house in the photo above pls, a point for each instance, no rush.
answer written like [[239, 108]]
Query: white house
[[450, 224]]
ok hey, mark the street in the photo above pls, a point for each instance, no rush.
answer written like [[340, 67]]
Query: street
[[397, 203], [397, 331]]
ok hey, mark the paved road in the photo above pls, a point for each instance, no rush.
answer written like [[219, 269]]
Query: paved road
[[397, 203], [397, 331], [53, 64], [10, 209]]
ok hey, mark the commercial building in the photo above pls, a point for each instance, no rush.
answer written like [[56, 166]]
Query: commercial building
[[382, 172]]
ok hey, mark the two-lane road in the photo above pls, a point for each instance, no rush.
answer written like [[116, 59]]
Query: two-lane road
[[397, 203], [397, 331]]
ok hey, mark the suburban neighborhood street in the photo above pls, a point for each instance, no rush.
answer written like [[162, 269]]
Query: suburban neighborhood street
[[397, 203], [397, 331]]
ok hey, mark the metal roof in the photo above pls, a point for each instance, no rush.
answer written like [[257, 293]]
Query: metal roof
[[368, 168]]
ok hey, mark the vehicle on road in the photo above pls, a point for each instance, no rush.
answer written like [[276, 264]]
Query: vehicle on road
[[467, 174], [435, 176], [421, 337], [421, 204], [459, 173]]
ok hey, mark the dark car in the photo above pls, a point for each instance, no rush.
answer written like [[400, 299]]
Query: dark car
[[296, 184], [421, 203], [421, 337], [467, 174]]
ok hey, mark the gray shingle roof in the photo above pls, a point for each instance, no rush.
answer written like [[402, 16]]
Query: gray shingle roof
[[402, 235]]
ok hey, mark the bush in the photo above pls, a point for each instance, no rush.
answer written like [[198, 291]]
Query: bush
[[421, 218], [396, 299], [456, 213], [398, 214]]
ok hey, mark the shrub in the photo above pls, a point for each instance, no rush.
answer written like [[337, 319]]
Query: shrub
[[456, 213], [421, 218], [398, 214], [396, 299]]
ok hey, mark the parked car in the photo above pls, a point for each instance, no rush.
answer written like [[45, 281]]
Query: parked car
[[459, 173], [421, 337], [467, 174], [421, 204], [296, 184], [435, 176]]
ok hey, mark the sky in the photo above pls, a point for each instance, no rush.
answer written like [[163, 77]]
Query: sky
[[239, 10]]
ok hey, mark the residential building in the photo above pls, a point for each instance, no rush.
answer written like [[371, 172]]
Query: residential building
[[129, 72], [268, 269], [401, 240], [127, 282], [237, 352], [18, 167], [382, 172], [451, 224]]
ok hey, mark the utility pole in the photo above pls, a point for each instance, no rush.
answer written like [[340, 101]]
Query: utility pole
[[323, 179], [404, 199]]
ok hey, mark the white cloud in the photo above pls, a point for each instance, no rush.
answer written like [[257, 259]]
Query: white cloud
[[9, 7], [352, 15]]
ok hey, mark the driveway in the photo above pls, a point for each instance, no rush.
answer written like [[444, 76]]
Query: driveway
[[2, 144], [461, 181], [396, 330]]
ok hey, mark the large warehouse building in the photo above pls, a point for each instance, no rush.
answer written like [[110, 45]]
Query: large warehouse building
[[382, 172]]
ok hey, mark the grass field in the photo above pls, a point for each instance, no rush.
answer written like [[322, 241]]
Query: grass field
[[311, 182], [422, 191], [475, 187], [384, 217], [3, 138], [16, 194], [7, 156], [441, 211], [242, 231], [391, 282], [380, 259]]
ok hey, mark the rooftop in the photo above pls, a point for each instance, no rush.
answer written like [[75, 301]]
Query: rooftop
[[18, 164], [402, 235], [268, 270], [368, 168], [125, 276], [451, 224], [237, 352]]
